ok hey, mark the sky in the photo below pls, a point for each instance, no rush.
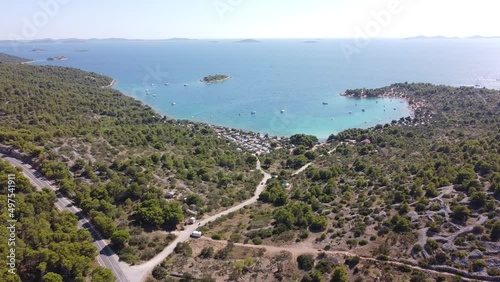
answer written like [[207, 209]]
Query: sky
[[161, 19]]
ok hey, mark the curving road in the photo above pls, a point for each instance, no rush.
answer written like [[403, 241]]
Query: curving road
[[106, 257], [139, 272]]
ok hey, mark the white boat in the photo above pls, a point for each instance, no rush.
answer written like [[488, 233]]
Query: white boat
[[253, 112], [186, 85], [154, 95], [282, 111], [173, 104], [167, 84]]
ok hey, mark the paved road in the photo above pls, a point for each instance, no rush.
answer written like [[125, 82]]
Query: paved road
[[139, 272], [106, 257]]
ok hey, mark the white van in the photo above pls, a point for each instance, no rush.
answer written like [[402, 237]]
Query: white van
[[196, 234]]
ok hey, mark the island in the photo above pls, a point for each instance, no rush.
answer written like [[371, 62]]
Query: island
[[248, 41], [310, 41], [179, 39], [37, 50], [57, 58], [80, 50], [215, 78]]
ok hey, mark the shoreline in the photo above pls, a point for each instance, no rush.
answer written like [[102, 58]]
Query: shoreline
[[412, 105], [113, 82], [249, 133]]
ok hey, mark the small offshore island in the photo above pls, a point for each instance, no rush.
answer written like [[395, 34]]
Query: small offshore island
[[57, 58], [215, 78]]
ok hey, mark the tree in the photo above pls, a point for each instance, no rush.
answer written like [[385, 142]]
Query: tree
[[102, 274], [495, 232], [319, 223], [207, 252], [159, 272], [340, 274], [284, 217], [301, 139], [305, 262], [120, 238], [478, 199], [460, 213], [173, 214], [401, 224], [52, 277], [465, 173], [150, 213], [431, 245], [104, 224], [313, 276], [194, 199]]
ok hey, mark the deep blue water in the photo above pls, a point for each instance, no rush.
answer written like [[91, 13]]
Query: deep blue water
[[277, 75]]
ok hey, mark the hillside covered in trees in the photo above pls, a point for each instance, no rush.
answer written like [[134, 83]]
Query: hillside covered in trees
[[424, 191], [134, 172], [9, 59], [49, 247]]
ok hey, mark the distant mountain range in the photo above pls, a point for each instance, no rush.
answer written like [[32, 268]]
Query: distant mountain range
[[78, 40], [248, 41], [445, 37]]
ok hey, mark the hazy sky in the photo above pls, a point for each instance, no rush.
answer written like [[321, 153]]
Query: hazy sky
[[155, 19]]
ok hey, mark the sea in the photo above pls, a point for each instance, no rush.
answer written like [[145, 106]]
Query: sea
[[278, 87]]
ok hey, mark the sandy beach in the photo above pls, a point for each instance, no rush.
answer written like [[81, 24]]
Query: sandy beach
[[113, 82]]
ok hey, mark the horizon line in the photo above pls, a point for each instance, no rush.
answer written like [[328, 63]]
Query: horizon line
[[244, 38]]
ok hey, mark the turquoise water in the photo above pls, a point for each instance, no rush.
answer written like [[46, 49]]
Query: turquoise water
[[277, 75]]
